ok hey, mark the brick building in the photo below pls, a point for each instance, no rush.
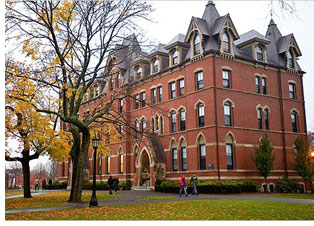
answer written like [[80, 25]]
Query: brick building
[[205, 99]]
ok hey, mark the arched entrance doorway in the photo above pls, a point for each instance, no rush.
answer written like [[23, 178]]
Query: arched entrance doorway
[[144, 170]]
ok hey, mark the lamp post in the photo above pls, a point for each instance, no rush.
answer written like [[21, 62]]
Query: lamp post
[[93, 201]]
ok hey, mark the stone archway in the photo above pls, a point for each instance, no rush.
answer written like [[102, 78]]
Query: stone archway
[[144, 170]]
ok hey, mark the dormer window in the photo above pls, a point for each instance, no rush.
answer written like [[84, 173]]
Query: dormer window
[[291, 59], [225, 43], [155, 66], [197, 45], [259, 53], [139, 73], [175, 57]]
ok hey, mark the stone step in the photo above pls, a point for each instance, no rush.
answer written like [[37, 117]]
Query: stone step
[[142, 188]]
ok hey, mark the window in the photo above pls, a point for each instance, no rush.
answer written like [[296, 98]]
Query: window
[[199, 80], [183, 159], [290, 59], [96, 91], [202, 151], [143, 99], [229, 156], [155, 66], [137, 129], [295, 150], [294, 121], [159, 93], [264, 86], [161, 125], [259, 53], [197, 45], [136, 101], [201, 119], [143, 125], [259, 118], [226, 78], [227, 114], [63, 169], [173, 122], [225, 43], [175, 57], [120, 105], [153, 96], [257, 84], [99, 163], [120, 132], [266, 112], [118, 80], [292, 91], [139, 73], [174, 159], [91, 93], [181, 87], [111, 84], [172, 87], [108, 165], [153, 125], [182, 120], [120, 163]]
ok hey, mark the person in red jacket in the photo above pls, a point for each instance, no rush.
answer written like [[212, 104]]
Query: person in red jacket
[[182, 186]]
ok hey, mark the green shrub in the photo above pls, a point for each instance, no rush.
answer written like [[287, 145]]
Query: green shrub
[[125, 185], [249, 186], [100, 185], [286, 185], [57, 185]]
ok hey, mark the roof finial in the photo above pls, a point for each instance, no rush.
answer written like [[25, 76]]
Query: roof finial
[[210, 2], [271, 9]]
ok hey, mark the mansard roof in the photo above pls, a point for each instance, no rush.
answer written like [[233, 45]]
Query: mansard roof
[[249, 37], [177, 40], [159, 50]]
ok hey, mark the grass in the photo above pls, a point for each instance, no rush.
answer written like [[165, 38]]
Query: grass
[[293, 195], [182, 210], [51, 199], [156, 198]]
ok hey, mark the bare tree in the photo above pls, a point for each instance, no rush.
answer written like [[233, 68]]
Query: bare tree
[[40, 170], [13, 171], [52, 170]]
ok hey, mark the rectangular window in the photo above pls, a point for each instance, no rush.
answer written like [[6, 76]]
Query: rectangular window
[[108, 165], [292, 91], [182, 120], [259, 118], [184, 163], [199, 80], [229, 156], [257, 84], [143, 99], [137, 129], [63, 169], [202, 150], [120, 132], [201, 119], [226, 78], [120, 105], [118, 80], [294, 122], [266, 119], [174, 159], [227, 114], [159, 94], [121, 163], [173, 123], [136, 101], [111, 84], [264, 86], [153, 96], [181, 87], [172, 88]]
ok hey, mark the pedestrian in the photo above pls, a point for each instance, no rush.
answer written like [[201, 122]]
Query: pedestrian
[[194, 182], [43, 184], [110, 184], [182, 186], [50, 183], [116, 184], [36, 184]]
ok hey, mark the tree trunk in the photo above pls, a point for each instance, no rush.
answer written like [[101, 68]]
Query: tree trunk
[[266, 185], [78, 155], [305, 186], [26, 179]]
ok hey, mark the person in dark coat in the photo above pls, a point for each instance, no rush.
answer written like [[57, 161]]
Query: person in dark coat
[[182, 186], [194, 182], [50, 183], [43, 184], [116, 184], [110, 184]]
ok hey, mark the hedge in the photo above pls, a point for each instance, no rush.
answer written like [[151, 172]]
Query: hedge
[[209, 187], [286, 185], [57, 185], [102, 185]]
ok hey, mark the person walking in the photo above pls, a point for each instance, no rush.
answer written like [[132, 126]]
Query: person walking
[[116, 184], [43, 184], [36, 184], [182, 186], [110, 184], [50, 183], [194, 182]]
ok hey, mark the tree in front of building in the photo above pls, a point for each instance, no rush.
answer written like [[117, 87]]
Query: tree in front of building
[[264, 159], [303, 160]]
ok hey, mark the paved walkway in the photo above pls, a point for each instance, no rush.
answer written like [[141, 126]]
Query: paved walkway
[[132, 197]]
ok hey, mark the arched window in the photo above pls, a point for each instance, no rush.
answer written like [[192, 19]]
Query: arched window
[[202, 152], [294, 116], [227, 114], [143, 125], [225, 43], [259, 118], [137, 128], [175, 57], [153, 125], [161, 125], [135, 156], [183, 154], [291, 59], [229, 152], [155, 66], [200, 115], [259, 53], [118, 80], [197, 45], [121, 165], [182, 120], [157, 122], [173, 121], [174, 155]]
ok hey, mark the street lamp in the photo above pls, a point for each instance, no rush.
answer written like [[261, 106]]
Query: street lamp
[[93, 201]]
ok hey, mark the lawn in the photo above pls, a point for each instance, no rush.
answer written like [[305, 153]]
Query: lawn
[[293, 195], [52, 199], [182, 210], [156, 197]]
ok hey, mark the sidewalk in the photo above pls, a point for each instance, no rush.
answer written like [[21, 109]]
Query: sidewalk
[[132, 197]]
